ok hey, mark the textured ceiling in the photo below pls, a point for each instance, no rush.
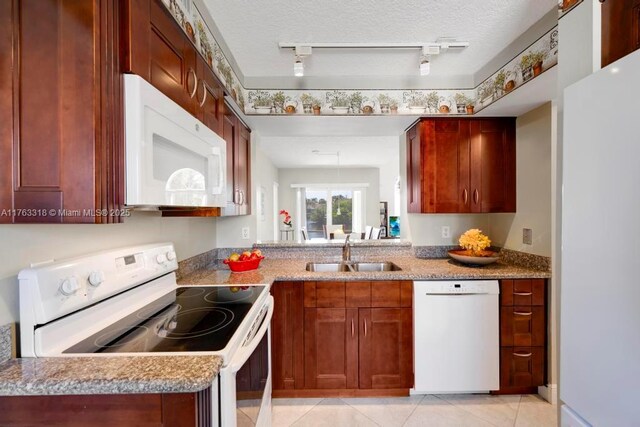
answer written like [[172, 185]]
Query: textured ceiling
[[297, 152], [252, 30]]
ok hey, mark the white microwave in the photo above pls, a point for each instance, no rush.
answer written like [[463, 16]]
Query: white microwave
[[172, 159]]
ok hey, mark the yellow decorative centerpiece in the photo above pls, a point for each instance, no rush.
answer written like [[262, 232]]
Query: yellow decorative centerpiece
[[474, 246], [475, 242]]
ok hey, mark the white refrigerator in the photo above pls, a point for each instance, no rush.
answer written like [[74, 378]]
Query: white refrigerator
[[600, 294]]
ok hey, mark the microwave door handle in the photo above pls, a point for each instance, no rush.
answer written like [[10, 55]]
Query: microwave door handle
[[244, 353], [216, 189]]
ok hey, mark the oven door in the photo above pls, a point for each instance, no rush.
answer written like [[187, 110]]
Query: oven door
[[172, 158], [245, 383]]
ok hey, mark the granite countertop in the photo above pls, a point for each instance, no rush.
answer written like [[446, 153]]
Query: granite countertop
[[107, 375], [412, 269]]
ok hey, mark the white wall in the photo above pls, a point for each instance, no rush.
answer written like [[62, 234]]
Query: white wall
[[388, 175], [370, 176], [263, 174], [533, 177], [24, 244]]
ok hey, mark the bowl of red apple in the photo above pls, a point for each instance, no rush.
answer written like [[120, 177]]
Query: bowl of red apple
[[246, 261]]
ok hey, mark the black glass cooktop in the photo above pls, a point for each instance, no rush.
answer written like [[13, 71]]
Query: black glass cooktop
[[187, 319]]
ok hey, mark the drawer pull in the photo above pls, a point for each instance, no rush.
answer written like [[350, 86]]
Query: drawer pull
[[523, 354], [521, 313], [523, 294], [195, 82]]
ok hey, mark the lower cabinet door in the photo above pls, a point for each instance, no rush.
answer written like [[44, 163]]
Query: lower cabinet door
[[386, 348], [287, 345], [521, 367], [331, 348]]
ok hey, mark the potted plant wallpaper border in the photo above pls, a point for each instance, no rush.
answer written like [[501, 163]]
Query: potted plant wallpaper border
[[539, 57]]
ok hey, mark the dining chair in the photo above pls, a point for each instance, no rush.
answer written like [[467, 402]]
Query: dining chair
[[305, 236], [367, 232], [331, 229], [375, 233]]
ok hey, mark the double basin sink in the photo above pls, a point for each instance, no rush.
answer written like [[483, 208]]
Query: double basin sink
[[348, 266]]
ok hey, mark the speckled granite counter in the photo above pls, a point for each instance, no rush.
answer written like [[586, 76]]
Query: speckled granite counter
[[108, 375], [412, 269]]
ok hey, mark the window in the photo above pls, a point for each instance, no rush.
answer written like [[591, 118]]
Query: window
[[333, 208]]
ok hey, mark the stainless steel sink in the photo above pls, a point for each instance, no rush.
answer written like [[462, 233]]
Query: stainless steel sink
[[336, 267], [328, 267], [376, 266]]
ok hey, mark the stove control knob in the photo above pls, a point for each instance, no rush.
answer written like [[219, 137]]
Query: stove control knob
[[96, 278], [171, 255], [161, 258], [162, 333], [69, 286]]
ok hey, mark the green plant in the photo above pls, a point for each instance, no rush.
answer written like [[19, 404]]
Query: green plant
[[261, 98], [308, 99], [415, 99], [338, 98], [486, 89], [500, 79], [462, 99], [531, 58], [383, 98], [355, 101], [279, 99], [433, 100]]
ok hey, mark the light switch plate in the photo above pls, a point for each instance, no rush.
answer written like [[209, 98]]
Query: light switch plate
[[527, 236], [245, 233], [445, 232]]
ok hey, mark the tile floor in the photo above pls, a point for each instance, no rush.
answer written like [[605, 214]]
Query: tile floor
[[430, 410]]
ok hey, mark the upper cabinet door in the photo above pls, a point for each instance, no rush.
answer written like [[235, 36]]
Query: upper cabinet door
[[210, 98], [493, 165], [158, 50], [414, 169], [61, 108], [242, 168], [620, 29], [446, 180]]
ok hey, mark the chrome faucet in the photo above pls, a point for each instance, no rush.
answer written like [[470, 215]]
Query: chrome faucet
[[346, 250]]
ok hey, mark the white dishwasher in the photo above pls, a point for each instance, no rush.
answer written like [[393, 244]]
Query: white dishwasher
[[456, 336]]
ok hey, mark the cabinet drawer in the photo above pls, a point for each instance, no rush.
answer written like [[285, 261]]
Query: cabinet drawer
[[522, 326], [521, 367], [324, 294], [390, 294], [522, 292]]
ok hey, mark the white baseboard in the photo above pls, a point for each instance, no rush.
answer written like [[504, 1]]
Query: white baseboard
[[549, 393]]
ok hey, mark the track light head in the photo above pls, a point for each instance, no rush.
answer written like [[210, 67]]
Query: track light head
[[298, 67], [425, 66]]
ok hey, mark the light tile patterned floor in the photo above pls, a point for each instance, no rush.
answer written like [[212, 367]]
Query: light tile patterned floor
[[427, 411]]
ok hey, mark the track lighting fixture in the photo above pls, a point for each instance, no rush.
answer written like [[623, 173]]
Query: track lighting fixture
[[425, 66], [298, 67]]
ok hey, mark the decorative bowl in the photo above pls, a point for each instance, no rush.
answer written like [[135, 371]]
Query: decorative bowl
[[247, 265], [262, 110], [340, 110], [462, 255]]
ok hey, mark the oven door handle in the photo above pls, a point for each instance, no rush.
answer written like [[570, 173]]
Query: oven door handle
[[245, 352]]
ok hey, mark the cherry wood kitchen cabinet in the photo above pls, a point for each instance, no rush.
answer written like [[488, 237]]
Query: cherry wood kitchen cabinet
[[156, 49], [620, 29], [62, 145], [238, 138], [461, 166], [523, 336], [357, 338], [287, 352], [118, 410]]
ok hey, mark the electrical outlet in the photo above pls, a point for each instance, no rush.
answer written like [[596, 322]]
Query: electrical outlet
[[245, 232], [445, 231], [527, 236]]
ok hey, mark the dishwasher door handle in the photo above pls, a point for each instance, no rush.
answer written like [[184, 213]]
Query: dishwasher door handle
[[432, 294]]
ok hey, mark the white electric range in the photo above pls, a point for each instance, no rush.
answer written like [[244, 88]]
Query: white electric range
[[127, 302]]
